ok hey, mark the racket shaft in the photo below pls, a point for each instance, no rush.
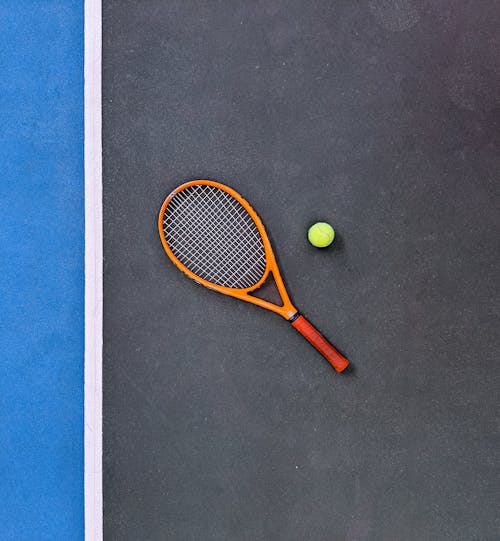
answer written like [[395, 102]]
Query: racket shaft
[[314, 337]]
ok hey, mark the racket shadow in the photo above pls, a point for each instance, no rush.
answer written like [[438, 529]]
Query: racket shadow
[[350, 372]]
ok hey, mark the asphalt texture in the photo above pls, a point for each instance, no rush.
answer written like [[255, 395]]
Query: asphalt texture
[[382, 118]]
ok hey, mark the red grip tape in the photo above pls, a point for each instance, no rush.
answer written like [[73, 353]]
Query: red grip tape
[[314, 337]]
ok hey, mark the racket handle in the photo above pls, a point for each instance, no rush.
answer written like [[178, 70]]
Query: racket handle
[[314, 337]]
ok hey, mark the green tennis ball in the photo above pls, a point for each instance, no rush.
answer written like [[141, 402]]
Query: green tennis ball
[[321, 235]]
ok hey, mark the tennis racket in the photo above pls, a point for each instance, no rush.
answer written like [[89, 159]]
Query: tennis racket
[[216, 238]]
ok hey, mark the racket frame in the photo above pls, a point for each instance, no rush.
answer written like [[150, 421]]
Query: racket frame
[[287, 310]]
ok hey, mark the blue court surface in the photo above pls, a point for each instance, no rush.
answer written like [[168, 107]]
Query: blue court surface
[[42, 271]]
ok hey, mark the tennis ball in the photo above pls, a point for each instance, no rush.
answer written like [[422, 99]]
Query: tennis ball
[[321, 235]]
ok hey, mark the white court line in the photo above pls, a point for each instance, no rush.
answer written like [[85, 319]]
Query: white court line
[[93, 273]]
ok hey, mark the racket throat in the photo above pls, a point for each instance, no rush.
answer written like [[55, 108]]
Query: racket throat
[[272, 295], [268, 291]]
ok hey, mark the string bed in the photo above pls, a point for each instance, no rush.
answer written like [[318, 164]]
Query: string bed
[[213, 236]]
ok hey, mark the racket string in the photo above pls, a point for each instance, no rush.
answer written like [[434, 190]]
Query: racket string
[[228, 276], [240, 213], [213, 235], [209, 224], [200, 236], [232, 225], [206, 259]]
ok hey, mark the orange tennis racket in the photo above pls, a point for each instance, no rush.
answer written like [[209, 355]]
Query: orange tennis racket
[[215, 237]]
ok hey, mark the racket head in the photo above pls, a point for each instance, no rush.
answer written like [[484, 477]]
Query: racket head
[[175, 240]]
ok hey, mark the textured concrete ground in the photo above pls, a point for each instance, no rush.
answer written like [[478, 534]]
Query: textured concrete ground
[[221, 422]]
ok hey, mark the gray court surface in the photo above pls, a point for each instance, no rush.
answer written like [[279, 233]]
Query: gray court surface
[[381, 117]]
